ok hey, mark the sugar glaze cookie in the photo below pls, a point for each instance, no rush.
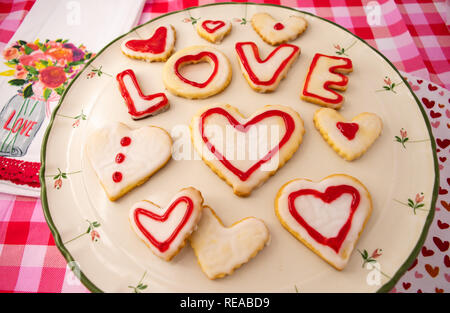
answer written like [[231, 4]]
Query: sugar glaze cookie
[[179, 85], [350, 139], [158, 47], [327, 216], [245, 152], [213, 30], [124, 158], [220, 250], [165, 230]]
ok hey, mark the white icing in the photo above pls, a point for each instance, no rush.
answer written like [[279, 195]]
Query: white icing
[[149, 150], [264, 23], [139, 103], [175, 85], [220, 250], [266, 70], [370, 127], [217, 35], [249, 142], [161, 231], [328, 223], [170, 41]]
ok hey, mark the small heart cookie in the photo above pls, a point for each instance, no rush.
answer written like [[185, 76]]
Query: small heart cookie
[[156, 48], [178, 84], [350, 139], [326, 73], [214, 30], [220, 250], [246, 152], [265, 75], [165, 230], [139, 105], [275, 32], [327, 216], [124, 158]]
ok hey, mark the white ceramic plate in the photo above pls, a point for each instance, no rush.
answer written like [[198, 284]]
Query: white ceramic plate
[[94, 234]]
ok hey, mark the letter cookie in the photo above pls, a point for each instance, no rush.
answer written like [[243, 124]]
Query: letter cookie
[[326, 72], [275, 32], [327, 216], [165, 230], [124, 158], [213, 31], [156, 48], [265, 75], [139, 105], [264, 142], [220, 250], [350, 139], [179, 85]]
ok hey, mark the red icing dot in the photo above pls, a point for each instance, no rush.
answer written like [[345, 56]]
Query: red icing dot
[[117, 177], [348, 129], [120, 157], [125, 141], [278, 26]]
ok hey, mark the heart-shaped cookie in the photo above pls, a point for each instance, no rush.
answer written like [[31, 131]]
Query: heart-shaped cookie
[[139, 105], [275, 32], [158, 47], [178, 84], [124, 158], [265, 75], [350, 139], [325, 74], [246, 152], [327, 216], [213, 30], [220, 250], [165, 230]]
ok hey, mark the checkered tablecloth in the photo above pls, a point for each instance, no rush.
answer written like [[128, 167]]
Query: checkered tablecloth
[[414, 36]]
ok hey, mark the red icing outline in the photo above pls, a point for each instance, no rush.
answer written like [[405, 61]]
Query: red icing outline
[[129, 101], [155, 44], [349, 130], [212, 30], [288, 121], [190, 58], [248, 69], [327, 83], [163, 246], [330, 194]]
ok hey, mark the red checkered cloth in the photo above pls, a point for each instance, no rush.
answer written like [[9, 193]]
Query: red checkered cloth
[[413, 36]]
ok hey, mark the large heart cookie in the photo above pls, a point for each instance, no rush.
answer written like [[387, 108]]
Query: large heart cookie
[[165, 230], [350, 139], [124, 158], [139, 105], [220, 250], [327, 216], [246, 152], [265, 75], [275, 32], [181, 85], [213, 30], [158, 47], [325, 74]]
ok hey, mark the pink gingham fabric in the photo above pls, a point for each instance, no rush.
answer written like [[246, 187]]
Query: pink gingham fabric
[[414, 36]]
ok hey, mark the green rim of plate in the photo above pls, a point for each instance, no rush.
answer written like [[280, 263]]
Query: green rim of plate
[[92, 287]]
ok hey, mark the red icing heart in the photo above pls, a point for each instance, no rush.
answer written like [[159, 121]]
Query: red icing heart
[[155, 44], [431, 87], [278, 26], [442, 225], [331, 193], [163, 246], [288, 121], [129, 101], [244, 60], [348, 129], [187, 59], [442, 245], [435, 114], [428, 103], [443, 143], [427, 252], [210, 30]]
